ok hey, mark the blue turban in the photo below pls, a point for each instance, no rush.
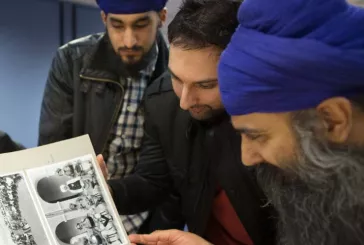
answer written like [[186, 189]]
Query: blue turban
[[290, 55], [130, 6]]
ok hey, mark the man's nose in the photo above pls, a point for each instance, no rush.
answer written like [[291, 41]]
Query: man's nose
[[130, 39], [249, 156], [186, 100]]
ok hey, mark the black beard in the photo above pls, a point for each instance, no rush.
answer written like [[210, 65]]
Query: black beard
[[319, 196], [133, 69]]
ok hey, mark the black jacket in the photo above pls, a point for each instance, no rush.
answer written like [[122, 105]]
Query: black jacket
[[83, 95], [7, 144], [190, 158]]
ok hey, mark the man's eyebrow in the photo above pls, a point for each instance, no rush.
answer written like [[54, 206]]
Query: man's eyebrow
[[209, 80], [141, 19], [116, 20], [250, 130]]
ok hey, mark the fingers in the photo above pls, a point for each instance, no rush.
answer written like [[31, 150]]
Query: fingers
[[164, 237], [101, 162], [143, 239]]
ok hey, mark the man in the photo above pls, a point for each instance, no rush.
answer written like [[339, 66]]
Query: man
[[96, 85], [190, 147], [7, 144], [295, 87]]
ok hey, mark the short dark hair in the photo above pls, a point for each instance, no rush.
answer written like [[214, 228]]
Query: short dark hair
[[203, 23]]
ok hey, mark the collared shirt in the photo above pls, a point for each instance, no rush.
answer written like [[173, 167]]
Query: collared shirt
[[127, 135]]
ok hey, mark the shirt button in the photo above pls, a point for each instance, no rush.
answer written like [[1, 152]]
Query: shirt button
[[130, 109]]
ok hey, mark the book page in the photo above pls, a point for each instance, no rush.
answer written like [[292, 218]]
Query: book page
[[19, 218], [69, 193], [74, 204]]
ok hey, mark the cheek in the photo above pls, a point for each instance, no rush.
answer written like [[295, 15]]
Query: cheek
[[279, 148], [211, 97], [146, 37], [116, 38]]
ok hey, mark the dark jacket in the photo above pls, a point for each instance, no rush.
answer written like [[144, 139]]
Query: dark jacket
[[7, 144], [191, 158], [83, 95]]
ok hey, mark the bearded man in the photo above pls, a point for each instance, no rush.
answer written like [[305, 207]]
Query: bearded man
[[96, 86], [295, 91], [292, 78]]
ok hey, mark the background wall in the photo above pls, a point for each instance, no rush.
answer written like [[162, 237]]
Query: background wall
[[30, 33]]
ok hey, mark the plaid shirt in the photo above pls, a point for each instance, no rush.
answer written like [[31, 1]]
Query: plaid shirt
[[126, 138]]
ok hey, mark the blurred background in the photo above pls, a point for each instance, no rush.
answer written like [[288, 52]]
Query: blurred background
[[30, 33]]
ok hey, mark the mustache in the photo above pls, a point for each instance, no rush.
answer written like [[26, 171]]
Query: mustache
[[200, 106], [134, 48]]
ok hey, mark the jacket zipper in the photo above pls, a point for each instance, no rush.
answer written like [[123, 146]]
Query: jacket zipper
[[116, 112]]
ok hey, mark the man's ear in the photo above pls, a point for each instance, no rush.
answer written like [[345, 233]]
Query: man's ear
[[163, 16], [103, 17], [336, 114]]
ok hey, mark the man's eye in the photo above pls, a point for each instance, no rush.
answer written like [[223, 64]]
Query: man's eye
[[141, 25], [253, 137], [117, 26], [209, 86]]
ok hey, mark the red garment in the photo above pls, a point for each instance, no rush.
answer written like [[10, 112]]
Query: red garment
[[224, 227]]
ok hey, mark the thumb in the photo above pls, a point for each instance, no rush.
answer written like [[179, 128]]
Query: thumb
[[101, 162]]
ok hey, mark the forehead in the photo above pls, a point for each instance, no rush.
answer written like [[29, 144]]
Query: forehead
[[130, 18], [261, 121], [194, 65]]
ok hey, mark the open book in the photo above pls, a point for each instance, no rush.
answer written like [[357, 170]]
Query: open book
[[56, 195]]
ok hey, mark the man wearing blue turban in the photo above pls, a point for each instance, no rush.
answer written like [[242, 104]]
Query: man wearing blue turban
[[96, 86], [292, 78]]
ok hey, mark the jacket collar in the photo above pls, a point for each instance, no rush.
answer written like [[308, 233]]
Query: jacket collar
[[99, 60]]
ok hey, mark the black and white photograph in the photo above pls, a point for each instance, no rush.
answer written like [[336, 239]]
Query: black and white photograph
[[74, 204], [19, 220]]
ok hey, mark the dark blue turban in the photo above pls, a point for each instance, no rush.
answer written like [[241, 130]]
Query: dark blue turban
[[130, 6], [290, 55]]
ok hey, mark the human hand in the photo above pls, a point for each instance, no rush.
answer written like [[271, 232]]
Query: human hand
[[102, 164], [168, 237]]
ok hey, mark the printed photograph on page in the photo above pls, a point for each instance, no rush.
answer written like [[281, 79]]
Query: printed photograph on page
[[75, 205], [19, 220]]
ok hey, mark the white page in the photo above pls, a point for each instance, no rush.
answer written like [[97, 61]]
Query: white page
[[68, 193]]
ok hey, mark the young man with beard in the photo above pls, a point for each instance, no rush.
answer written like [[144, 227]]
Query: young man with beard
[[292, 79], [96, 85], [190, 147]]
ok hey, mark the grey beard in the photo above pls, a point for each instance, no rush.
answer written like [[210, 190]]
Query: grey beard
[[319, 195]]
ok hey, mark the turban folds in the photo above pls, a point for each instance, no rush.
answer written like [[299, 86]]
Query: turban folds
[[130, 6], [291, 55]]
